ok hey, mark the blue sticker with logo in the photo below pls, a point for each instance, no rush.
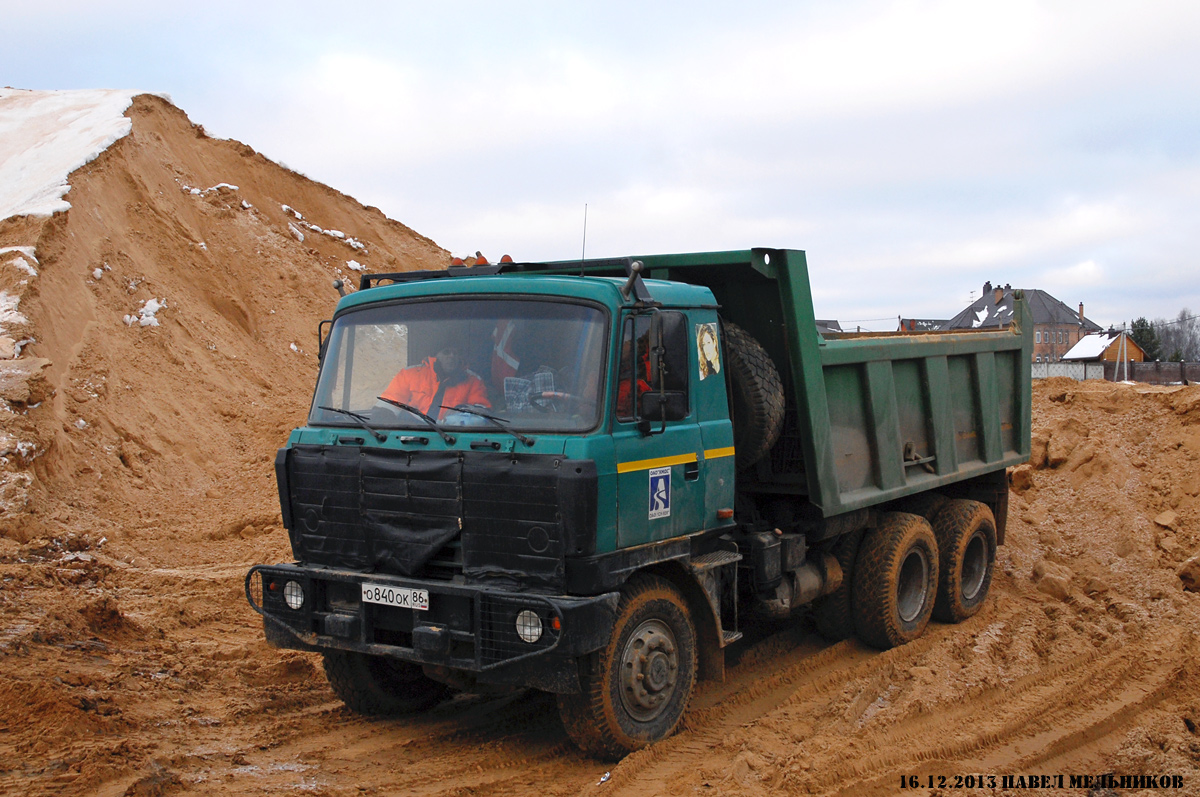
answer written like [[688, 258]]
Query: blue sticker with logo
[[660, 493]]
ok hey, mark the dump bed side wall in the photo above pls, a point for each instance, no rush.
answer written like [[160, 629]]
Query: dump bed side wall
[[958, 404]]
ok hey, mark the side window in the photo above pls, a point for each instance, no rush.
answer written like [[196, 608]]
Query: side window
[[634, 375]]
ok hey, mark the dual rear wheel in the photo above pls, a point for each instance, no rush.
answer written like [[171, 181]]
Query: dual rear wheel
[[908, 569]]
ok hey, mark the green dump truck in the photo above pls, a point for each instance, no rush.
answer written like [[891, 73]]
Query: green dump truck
[[583, 477]]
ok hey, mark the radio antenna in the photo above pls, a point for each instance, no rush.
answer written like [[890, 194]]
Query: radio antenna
[[583, 254]]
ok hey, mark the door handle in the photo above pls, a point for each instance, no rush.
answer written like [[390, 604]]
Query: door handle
[[691, 471]]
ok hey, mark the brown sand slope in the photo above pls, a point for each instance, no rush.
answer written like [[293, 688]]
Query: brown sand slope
[[130, 663]]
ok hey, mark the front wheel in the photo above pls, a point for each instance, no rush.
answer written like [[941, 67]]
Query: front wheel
[[635, 690], [377, 685]]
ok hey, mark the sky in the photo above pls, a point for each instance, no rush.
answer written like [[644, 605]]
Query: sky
[[913, 149]]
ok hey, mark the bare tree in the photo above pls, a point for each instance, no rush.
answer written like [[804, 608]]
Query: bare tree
[[1180, 338]]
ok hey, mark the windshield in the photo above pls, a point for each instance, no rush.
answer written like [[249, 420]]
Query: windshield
[[534, 365]]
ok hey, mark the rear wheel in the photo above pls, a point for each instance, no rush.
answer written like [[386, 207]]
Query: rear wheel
[[966, 537], [895, 580], [636, 690], [380, 686]]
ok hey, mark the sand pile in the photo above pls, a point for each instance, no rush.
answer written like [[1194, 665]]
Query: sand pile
[[166, 324]]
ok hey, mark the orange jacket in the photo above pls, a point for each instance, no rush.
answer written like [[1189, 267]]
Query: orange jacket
[[418, 385]]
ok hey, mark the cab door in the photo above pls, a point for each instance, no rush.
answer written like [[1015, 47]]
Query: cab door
[[661, 485]]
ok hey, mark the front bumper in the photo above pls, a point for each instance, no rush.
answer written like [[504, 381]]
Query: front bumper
[[468, 628]]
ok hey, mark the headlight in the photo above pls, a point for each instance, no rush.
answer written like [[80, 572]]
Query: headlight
[[529, 626], [293, 594]]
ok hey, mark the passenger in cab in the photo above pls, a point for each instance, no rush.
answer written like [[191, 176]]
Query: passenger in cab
[[439, 381]]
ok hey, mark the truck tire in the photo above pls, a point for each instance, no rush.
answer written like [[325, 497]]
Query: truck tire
[[376, 685], [834, 613], [637, 688], [966, 537], [757, 396], [895, 580]]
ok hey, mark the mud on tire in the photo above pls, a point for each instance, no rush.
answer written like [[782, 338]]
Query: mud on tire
[[618, 712], [377, 685], [895, 580], [966, 538], [757, 396]]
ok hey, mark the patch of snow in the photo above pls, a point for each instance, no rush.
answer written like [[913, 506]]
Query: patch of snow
[[335, 234], [47, 135], [81, 424], [28, 251], [25, 254], [219, 186], [292, 210], [246, 205], [22, 265], [980, 316], [295, 231], [27, 450], [97, 273], [8, 309], [354, 243], [195, 192], [355, 265], [295, 348], [203, 246], [146, 313], [20, 344]]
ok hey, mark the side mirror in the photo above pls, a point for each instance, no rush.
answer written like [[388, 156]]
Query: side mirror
[[322, 339], [662, 406]]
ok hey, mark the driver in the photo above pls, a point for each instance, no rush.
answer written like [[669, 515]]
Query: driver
[[441, 380]]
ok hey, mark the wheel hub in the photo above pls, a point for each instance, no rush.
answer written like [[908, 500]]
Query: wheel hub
[[649, 670], [912, 584], [974, 567]]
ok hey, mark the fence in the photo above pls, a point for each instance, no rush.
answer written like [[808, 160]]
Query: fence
[[1156, 373], [1079, 371]]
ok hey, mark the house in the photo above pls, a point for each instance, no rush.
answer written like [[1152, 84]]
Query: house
[[1056, 327], [828, 327], [1106, 347]]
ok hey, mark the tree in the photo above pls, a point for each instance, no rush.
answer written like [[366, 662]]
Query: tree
[[1179, 340], [1143, 334]]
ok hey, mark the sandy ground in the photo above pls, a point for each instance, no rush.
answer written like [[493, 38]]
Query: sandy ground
[[137, 488]]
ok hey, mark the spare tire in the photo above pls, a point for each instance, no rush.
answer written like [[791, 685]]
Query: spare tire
[[757, 396]]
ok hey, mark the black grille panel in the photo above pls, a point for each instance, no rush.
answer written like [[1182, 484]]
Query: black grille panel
[[496, 516]]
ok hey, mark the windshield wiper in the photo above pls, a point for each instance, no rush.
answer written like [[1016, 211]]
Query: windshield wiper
[[497, 422], [361, 419], [447, 438]]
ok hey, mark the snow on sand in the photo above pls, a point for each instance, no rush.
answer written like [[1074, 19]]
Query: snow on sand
[[46, 135]]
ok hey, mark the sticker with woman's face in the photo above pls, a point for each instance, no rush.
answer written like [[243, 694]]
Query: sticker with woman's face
[[709, 349]]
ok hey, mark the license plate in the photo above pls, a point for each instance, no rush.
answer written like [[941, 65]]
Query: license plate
[[403, 597]]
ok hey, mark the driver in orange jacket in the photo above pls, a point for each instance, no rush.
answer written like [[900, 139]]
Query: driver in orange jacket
[[439, 381]]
